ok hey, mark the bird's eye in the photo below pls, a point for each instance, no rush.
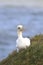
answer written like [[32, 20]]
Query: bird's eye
[[18, 27]]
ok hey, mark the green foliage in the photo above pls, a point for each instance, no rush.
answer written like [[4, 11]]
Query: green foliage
[[30, 56]]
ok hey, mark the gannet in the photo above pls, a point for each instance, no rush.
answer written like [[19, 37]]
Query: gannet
[[21, 42]]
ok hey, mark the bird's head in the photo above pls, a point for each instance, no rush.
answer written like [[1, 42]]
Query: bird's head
[[20, 28]]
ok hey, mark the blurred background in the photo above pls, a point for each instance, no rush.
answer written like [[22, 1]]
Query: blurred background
[[13, 12]]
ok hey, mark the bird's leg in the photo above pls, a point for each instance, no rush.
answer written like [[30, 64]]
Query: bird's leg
[[17, 50]]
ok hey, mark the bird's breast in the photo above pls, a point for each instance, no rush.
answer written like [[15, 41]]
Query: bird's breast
[[20, 42], [23, 42]]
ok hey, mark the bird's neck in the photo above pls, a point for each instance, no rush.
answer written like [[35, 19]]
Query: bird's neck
[[19, 34]]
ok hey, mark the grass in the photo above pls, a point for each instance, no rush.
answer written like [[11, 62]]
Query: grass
[[31, 56]]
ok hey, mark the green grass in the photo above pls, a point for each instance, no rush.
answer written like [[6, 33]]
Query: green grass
[[31, 56]]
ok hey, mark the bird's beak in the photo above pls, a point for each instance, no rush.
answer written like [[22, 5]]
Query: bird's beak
[[23, 29]]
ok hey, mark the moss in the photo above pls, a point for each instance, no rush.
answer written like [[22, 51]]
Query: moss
[[31, 56]]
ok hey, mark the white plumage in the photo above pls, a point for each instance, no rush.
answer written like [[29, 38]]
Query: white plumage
[[21, 42]]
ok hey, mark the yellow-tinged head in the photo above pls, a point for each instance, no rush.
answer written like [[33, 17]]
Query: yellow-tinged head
[[20, 28]]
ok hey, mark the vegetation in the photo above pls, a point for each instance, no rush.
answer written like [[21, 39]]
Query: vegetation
[[30, 56]]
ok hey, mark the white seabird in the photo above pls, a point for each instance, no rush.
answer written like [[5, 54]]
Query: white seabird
[[21, 42]]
